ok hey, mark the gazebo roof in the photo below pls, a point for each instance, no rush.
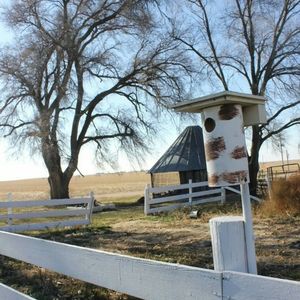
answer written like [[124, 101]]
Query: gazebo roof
[[185, 154]]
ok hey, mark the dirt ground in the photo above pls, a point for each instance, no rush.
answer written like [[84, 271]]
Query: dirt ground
[[169, 237]]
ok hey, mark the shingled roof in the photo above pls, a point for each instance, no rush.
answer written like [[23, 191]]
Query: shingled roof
[[185, 154]]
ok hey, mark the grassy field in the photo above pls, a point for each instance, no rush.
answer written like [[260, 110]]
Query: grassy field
[[265, 165], [117, 187], [172, 237]]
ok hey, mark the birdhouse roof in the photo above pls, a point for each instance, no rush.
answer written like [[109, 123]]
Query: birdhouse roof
[[227, 97]]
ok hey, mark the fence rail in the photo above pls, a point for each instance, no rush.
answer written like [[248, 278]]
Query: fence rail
[[143, 278], [82, 214], [239, 192], [8, 293], [189, 198]]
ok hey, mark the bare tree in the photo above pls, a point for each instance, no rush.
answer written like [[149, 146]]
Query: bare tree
[[85, 72], [253, 44]]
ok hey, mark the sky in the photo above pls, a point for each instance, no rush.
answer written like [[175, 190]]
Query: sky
[[23, 166]]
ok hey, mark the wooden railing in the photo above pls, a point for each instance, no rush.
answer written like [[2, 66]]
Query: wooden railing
[[165, 200], [143, 278], [40, 209], [234, 190]]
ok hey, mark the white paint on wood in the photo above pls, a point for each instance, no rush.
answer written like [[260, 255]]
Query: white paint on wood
[[167, 188], [237, 286], [228, 243], [190, 192], [7, 293], [90, 208], [180, 205], [147, 199], [223, 195], [184, 196], [52, 202], [45, 214], [9, 209], [44, 225], [188, 199], [85, 212], [208, 200], [269, 184], [249, 235], [169, 199], [141, 278], [238, 192]]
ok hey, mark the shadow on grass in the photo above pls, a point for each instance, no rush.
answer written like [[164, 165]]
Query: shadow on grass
[[42, 284], [158, 246]]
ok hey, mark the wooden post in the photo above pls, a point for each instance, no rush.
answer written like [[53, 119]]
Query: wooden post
[[249, 236], [90, 208], [228, 244], [146, 199], [9, 209], [190, 192], [269, 185], [223, 195]]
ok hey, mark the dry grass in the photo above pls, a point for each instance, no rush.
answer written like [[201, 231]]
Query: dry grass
[[265, 165], [107, 187], [172, 237], [285, 197]]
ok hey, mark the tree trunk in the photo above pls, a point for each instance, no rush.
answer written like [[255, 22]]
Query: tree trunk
[[59, 186], [58, 180], [254, 159]]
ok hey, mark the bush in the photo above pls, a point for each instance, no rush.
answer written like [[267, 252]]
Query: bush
[[285, 197]]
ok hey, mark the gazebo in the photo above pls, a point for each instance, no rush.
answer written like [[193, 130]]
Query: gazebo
[[184, 160]]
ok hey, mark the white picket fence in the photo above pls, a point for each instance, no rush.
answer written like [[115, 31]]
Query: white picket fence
[[161, 204], [141, 278], [77, 215]]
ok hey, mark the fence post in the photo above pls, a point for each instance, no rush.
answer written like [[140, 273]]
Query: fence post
[[9, 209], [147, 199], [190, 192], [90, 207], [269, 185], [248, 224], [223, 195], [228, 244]]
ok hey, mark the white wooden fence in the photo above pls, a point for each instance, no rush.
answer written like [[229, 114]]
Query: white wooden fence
[[82, 214], [162, 203], [141, 278], [239, 192], [7, 293]]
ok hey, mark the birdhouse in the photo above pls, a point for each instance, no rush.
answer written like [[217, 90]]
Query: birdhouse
[[224, 116]]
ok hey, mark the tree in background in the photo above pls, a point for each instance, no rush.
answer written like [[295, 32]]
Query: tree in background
[[254, 45], [82, 72]]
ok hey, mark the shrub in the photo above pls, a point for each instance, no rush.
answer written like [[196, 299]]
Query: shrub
[[285, 197]]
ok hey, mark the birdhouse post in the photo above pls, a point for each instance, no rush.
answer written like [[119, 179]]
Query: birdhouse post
[[224, 116]]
